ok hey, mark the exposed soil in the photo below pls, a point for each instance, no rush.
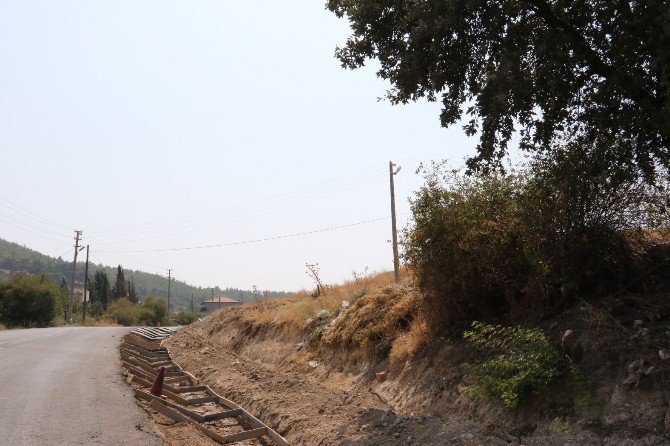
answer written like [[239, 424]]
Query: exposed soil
[[332, 397]]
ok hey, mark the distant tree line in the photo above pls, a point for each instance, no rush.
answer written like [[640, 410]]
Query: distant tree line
[[137, 285]]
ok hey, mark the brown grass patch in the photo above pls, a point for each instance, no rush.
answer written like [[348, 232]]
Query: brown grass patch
[[295, 311], [378, 317]]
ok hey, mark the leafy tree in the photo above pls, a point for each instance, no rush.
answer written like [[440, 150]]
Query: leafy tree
[[593, 72], [120, 286], [27, 300], [517, 247]]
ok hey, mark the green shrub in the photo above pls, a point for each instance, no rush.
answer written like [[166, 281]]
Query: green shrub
[[124, 312], [96, 310], [150, 311], [154, 310], [521, 245], [186, 317], [30, 301], [524, 363]]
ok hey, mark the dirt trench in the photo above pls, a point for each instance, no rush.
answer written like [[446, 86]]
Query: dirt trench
[[317, 397], [308, 403]]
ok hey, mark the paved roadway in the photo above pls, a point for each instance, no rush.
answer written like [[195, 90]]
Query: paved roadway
[[63, 386]]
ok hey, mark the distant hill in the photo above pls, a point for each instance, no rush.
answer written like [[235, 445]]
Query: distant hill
[[15, 258]]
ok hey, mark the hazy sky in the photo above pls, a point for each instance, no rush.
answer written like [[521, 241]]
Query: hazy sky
[[161, 124]]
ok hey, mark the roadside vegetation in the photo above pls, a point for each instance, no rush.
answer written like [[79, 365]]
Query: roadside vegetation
[[28, 301], [490, 257]]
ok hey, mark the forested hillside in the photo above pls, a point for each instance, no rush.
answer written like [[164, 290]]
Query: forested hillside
[[15, 258]]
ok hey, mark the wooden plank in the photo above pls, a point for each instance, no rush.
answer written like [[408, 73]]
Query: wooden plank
[[223, 415], [226, 402], [184, 389], [149, 397], [194, 380], [253, 421], [139, 364], [159, 407], [146, 353], [246, 435], [138, 342], [178, 379], [139, 373], [202, 400]]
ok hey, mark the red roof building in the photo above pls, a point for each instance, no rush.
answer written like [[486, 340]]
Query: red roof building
[[220, 302]]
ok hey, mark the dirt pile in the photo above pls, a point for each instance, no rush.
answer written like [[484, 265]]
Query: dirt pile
[[315, 388]]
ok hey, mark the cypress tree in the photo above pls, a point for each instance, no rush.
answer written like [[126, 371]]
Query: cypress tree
[[132, 293], [120, 287]]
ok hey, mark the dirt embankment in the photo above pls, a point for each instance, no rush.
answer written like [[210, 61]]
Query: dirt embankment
[[316, 389]]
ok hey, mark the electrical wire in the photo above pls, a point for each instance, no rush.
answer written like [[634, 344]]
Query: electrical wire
[[279, 207], [265, 239], [26, 211], [331, 185]]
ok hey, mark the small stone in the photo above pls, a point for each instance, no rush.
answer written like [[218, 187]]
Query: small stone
[[638, 322], [313, 364], [565, 336], [664, 355], [381, 376]]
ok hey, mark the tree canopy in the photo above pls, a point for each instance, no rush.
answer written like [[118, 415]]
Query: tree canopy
[[592, 72]]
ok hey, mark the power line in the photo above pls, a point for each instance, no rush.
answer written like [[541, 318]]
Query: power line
[[266, 239], [32, 213], [14, 222], [364, 176], [279, 207], [22, 222], [123, 257]]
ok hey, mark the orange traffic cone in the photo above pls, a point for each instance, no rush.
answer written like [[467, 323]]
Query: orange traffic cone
[[157, 388], [158, 324]]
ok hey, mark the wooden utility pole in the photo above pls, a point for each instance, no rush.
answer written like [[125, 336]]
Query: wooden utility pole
[[74, 272], [396, 262], [85, 284], [169, 281]]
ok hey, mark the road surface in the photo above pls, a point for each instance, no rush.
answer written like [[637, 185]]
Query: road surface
[[62, 386]]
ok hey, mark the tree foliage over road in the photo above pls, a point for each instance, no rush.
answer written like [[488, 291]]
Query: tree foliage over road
[[592, 74]]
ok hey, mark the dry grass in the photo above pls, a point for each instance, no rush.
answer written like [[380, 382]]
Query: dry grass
[[297, 309], [381, 318], [378, 319], [408, 343]]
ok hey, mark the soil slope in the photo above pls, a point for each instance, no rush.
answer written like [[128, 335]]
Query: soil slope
[[316, 394]]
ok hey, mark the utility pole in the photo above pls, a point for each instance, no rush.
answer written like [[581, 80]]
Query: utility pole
[[169, 281], [85, 284], [396, 262], [74, 271], [191, 302]]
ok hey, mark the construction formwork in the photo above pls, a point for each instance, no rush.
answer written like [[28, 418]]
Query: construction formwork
[[182, 398]]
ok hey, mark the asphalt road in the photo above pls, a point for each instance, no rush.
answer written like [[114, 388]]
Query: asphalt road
[[62, 386]]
